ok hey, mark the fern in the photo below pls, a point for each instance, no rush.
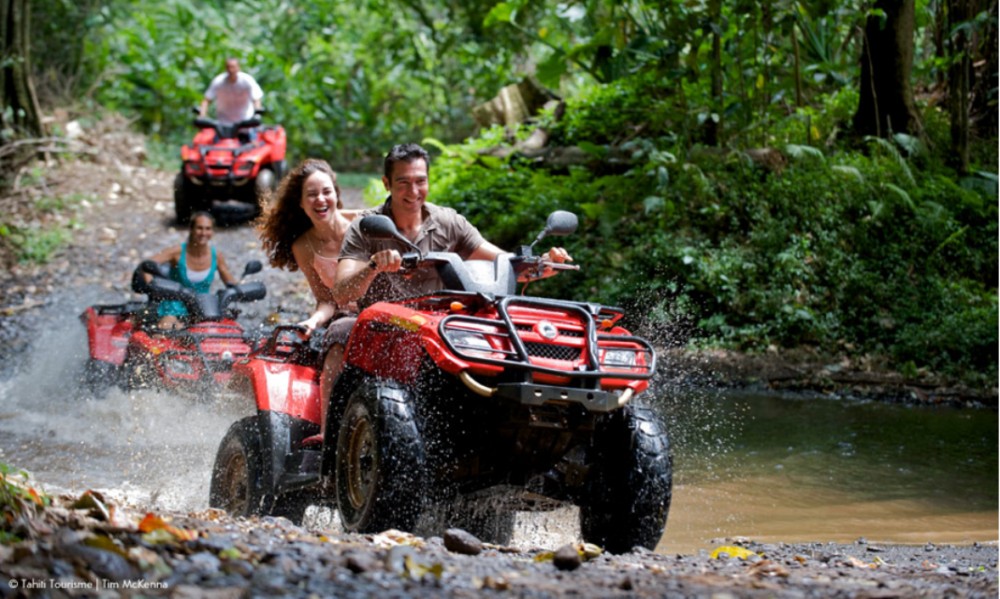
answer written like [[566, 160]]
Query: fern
[[910, 144], [901, 194], [799, 152], [849, 170], [895, 156]]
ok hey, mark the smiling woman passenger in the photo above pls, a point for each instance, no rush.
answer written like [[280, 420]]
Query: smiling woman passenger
[[303, 230]]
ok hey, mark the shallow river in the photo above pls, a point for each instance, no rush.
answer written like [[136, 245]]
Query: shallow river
[[764, 467]]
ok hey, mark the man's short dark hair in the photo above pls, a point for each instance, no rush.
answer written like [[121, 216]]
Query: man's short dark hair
[[404, 153]]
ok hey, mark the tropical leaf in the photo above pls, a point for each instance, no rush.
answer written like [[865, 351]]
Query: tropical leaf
[[894, 154], [900, 193], [798, 152], [910, 144], [848, 170]]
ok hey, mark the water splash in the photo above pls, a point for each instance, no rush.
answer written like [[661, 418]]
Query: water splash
[[144, 446]]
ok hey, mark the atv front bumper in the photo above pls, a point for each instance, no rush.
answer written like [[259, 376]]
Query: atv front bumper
[[536, 395]]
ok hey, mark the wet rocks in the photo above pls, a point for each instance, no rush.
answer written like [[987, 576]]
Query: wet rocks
[[213, 555], [567, 558], [457, 540]]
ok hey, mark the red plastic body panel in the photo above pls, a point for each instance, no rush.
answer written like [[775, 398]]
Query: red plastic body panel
[[107, 335], [167, 354], [281, 386], [221, 159]]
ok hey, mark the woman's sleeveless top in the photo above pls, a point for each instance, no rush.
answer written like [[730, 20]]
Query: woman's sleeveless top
[[180, 273]]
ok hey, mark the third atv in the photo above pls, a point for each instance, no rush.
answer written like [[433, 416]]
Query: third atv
[[226, 166]]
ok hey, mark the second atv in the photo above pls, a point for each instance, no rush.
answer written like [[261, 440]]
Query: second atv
[[126, 348], [473, 401]]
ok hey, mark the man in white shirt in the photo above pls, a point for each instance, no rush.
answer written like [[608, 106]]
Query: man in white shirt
[[236, 94]]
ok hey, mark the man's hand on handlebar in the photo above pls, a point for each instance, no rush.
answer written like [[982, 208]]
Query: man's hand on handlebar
[[547, 265], [385, 261]]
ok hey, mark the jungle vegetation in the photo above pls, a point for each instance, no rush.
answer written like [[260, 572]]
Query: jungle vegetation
[[817, 173]]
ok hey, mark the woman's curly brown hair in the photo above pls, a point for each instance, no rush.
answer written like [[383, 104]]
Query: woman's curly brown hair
[[285, 221]]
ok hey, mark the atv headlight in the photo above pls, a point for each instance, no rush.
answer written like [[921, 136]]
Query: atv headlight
[[244, 168], [472, 344], [178, 367], [619, 358]]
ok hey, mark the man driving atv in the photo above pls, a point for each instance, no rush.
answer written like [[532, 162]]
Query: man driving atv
[[236, 94], [368, 268]]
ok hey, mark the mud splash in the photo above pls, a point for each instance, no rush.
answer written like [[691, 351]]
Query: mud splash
[[145, 447]]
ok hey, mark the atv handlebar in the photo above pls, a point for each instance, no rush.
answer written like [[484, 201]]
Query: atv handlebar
[[294, 340], [530, 269], [200, 306], [497, 278], [227, 130]]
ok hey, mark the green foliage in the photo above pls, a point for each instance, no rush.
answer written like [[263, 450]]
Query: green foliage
[[35, 243], [619, 111], [847, 251], [346, 80], [39, 240]]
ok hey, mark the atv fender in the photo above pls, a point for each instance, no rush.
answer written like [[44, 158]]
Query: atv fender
[[282, 387], [281, 443]]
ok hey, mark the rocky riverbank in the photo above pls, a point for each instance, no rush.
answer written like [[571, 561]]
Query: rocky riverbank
[[85, 546]]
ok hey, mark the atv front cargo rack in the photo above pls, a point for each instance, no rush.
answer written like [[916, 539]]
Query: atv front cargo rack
[[570, 335]]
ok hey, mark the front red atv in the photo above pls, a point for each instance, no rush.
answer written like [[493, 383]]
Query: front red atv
[[473, 401], [228, 168]]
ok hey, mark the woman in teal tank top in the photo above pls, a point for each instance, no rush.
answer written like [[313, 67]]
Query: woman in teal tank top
[[192, 264]]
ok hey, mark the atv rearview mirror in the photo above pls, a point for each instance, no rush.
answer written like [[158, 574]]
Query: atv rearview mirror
[[559, 223], [380, 226], [253, 267]]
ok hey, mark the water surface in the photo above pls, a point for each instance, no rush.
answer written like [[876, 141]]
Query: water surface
[[778, 468]]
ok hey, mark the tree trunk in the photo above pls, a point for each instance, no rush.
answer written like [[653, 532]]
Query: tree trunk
[[959, 74], [18, 102], [983, 109], [886, 102], [713, 126]]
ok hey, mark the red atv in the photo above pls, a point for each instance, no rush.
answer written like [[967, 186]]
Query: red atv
[[234, 164], [472, 402], [126, 347]]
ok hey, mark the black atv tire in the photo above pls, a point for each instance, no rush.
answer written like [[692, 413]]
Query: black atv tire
[[279, 167], [380, 461], [238, 484], [237, 475], [630, 482], [98, 376], [183, 199]]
